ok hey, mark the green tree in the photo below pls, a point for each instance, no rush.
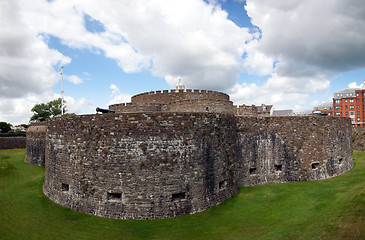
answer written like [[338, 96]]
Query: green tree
[[43, 111], [5, 127]]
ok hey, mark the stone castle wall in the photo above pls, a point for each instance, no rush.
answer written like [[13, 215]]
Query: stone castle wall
[[243, 110], [288, 149], [35, 144], [12, 142], [173, 153], [173, 95], [177, 101], [142, 165], [156, 165]]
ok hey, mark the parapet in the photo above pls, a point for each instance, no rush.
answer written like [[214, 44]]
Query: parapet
[[177, 101], [170, 96], [244, 110]]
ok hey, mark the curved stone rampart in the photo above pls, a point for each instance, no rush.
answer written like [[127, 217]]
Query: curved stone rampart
[[201, 105], [166, 96], [157, 165], [288, 149], [35, 144], [142, 165], [177, 101]]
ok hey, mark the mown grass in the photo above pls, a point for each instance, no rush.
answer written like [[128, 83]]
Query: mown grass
[[328, 209]]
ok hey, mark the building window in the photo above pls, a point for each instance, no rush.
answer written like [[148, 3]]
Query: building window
[[358, 106], [278, 167], [112, 196], [347, 113], [65, 187], [338, 114], [315, 165], [337, 107], [358, 112], [252, 170], [178, 196], [222, 185], [352, 113], [357, 100], [346, 100], [329, 114], [351, 100], [337, 101], [346, 106], [358, 119], [357, 94], [351, 106]]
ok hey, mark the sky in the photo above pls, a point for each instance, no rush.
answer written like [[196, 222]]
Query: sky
[[293, 54]]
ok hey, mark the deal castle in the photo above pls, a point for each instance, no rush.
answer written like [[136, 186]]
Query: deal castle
[[179, 152]]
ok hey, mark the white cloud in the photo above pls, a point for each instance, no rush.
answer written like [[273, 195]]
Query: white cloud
[[26, 62], [190, 39], [354, 85], [312, 42], [74, 79], [114, 88], [309, 41], [118, 97]]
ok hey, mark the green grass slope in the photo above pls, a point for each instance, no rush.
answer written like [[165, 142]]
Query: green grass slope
[[326, 209]]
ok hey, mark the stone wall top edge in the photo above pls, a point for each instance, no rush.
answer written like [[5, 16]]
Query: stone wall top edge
[[135, 114], [180, 91]]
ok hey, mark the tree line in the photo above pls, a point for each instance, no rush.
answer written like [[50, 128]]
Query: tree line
[[41, 112]]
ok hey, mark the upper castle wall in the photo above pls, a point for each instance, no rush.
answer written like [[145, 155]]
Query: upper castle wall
[[166, 96], [177, 101]]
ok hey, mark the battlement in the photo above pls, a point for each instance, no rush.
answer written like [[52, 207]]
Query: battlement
[[245, 110], [177, 101], [167, 96], [201, 105]]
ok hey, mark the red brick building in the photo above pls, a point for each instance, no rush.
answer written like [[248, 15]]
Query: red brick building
[[350, 103]]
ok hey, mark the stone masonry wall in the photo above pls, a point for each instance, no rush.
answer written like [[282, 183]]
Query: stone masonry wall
[[171, 96], [203, 105], [181, 101], [35, 144], [243, 110], [139, 166], [287, 149], [12, 142]]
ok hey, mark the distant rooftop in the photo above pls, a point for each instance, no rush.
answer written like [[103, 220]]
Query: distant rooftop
[[264, 109], [281, 113], [324, 106]]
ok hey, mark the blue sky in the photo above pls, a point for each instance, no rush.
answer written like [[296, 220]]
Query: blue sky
[[291, 54]]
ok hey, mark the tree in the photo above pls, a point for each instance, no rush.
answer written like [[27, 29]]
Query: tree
[[43, 111], [5, 127]]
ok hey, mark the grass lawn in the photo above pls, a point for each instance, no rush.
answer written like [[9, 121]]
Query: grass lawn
[[326, 209]]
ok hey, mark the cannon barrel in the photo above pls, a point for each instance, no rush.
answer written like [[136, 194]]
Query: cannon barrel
[[104, 110]]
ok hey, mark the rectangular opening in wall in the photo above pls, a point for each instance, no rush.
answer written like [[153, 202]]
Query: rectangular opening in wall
[[114, 196], [178, 196], [222, 185], [340, 161], [315, 165], [252, 170], [278, 167], [65, 187]]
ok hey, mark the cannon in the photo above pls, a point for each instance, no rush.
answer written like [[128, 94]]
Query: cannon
[[104, 110]]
